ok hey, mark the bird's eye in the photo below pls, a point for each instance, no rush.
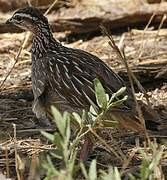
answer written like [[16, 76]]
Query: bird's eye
[[18, 18]]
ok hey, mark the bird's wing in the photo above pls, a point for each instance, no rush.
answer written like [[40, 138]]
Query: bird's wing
[[38, 76], [72, 72]]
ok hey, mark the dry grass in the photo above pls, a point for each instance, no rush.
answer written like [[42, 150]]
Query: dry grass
[[139, 46]]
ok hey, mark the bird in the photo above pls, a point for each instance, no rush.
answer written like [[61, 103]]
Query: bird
[[64, 77]]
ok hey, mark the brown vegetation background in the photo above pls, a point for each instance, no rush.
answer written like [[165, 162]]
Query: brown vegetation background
[[138, 28]]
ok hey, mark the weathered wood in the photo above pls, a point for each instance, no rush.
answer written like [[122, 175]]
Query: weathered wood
[[6, 6], [87, 15], [145, 72]]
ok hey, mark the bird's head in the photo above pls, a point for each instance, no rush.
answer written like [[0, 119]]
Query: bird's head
[[29, 19]]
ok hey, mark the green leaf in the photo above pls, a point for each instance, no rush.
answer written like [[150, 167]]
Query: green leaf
[[155, 161], [100, 94], [72, 165], [92, 111], [117, 94], [85, 118], [77, 118], [58, 154], [58, 141], [68, 129], [51, 170], [120, 91], [84, 172], [60, 122], [93, 171], [117, 103], [49, 136], [56, 138], [117, 174]]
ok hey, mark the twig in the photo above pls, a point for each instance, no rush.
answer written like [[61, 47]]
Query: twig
[[157, 34], [16, 60], [51, 6], [131, 77], [122, 57], [145, 29], [7, 162], [16, 155]]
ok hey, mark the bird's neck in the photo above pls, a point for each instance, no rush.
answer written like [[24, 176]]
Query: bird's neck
[[43, 40]]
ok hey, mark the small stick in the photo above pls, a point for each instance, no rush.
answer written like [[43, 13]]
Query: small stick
[[16, 155], [145, 29], [7, 162], [131, 77], [16, 60]]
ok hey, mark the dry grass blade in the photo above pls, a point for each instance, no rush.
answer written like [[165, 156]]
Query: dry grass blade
[[51, 6], [33, 167], [7, 162], [16, 60], [131, 77], [157, 34], [122, 57], [145, 29], [16, 155]]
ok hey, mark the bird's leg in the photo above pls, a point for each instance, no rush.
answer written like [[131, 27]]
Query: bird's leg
[[86, 149], [40, 112]]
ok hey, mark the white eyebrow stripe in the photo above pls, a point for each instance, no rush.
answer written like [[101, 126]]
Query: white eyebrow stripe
[[23, 15]]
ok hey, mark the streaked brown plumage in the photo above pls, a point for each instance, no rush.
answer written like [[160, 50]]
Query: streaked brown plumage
[[65, 77]]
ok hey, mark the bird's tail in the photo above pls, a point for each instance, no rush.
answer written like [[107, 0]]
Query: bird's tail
[[130, 120], [125, 120]]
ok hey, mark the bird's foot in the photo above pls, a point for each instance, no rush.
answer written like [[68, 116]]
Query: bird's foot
[[45, 122]]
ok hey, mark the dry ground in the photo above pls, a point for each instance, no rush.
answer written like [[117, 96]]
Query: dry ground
[[146, 55]]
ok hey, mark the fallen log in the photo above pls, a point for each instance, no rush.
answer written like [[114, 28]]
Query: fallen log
[[87, 15]]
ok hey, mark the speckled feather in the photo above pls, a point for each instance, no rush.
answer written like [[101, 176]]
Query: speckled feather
[[64, 76], [70, 73]]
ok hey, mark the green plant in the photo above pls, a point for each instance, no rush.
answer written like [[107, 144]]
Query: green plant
[[63, 147], [151, 162], [66, 148]]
